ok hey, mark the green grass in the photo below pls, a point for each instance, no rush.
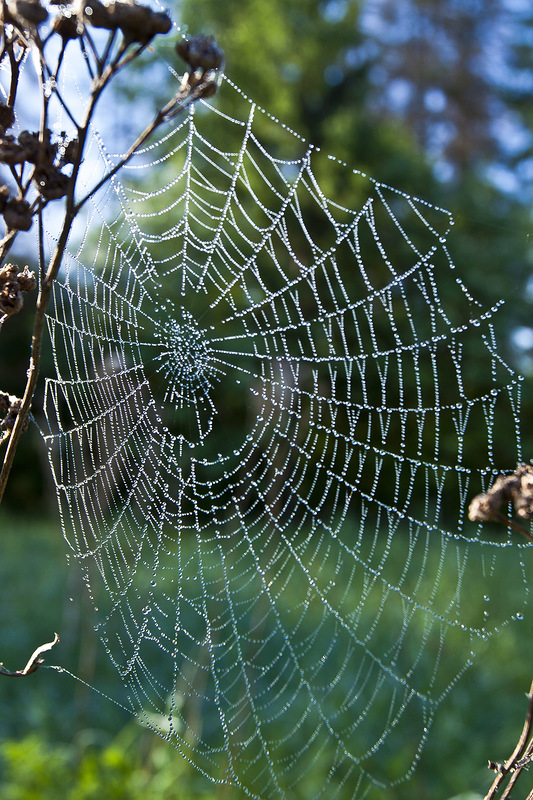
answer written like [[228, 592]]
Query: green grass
[[61, 740]]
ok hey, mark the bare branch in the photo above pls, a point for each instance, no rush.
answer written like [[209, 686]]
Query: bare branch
[[520, 757], [138, 24]]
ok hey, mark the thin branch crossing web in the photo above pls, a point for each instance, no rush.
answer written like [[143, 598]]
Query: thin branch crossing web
[[274, 398]]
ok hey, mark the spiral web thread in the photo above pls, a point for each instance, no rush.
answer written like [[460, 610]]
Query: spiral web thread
[[274, 399]]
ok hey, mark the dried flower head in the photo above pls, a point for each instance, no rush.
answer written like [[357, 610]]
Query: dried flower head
[[10, 151], [17, 214], [27, 12], [94, 13], [36, 151], [13, 408], [66, 25], [12, 284], [4, 197], [69, 152], [208, 89], [200, 53], [138, 23], [7, 117], [51, 183], [515, 488]]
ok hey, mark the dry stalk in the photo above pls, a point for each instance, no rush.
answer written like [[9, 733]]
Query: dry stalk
[[40, 169], [514, 489], [520, 758]]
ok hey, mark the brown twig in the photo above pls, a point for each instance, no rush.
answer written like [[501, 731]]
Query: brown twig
[[511, 523], [138, 25], [520, 757]]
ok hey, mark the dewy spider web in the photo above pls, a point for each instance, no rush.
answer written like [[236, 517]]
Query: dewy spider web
[[274, 399]]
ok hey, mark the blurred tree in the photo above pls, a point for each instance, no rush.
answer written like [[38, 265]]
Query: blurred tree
[[309, 64], [459, 74], [429, 96]]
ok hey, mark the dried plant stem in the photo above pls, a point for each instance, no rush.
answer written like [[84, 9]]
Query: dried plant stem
[[520, 758], [45, 291], [34, 662], [35, 357], [511, 523], [191, 90]]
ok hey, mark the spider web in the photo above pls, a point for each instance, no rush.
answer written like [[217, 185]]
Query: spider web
[[274, 399]]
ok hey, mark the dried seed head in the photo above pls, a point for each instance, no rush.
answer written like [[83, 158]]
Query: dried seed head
[[4, 197], [517, 487], [523, 496], [10, 301], [483, 508], [208, 89], [35, 151], [7, 117], [67, 26], [8, 423], [12, 284], [26, 280], [200, 53], [51, 183], [27, 11], [96, 14], [10, 151], [67, 150], [137, 22], [17, 215]]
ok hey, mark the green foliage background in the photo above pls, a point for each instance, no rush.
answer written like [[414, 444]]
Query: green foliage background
[[60, 740]]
